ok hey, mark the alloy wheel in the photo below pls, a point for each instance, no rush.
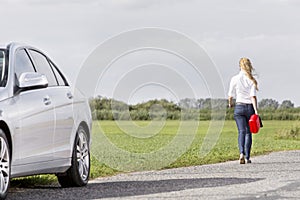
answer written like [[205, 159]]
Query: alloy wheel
[[82, 151], [4, 166]]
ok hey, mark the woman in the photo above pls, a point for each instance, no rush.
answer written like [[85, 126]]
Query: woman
[[244, 87]]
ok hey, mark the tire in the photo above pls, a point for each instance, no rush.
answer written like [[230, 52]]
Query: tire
[[4, 165], [78, 174]]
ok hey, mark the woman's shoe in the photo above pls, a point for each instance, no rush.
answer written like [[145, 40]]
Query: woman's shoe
[[242, 159], [248, 161]]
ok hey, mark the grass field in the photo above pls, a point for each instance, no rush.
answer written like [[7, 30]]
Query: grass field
[[225, 149], [140, 140]]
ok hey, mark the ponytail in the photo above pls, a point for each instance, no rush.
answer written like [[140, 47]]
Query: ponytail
[[246, 65]]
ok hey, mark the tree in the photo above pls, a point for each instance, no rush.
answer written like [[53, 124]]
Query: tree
[[205, 103], [188, 103], [268, 103], [286, 104]]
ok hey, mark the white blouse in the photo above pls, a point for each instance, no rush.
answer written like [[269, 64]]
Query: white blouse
[[242, 88]]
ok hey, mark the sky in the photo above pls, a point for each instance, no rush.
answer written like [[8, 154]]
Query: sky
[[266, 31]]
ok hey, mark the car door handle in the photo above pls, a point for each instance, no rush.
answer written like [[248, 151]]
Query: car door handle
[[47, 100], [69, 95]]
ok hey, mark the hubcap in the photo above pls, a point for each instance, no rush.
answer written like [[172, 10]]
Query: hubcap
[[4, 166], [82, 150]]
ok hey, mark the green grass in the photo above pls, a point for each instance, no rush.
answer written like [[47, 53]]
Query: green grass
[[139, 140], [292, 133], [226, 148], [263, 142]]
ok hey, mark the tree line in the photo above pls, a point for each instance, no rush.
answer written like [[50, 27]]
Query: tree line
[[186, 109]]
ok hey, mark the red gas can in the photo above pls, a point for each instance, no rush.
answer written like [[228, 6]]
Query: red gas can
[[254, 123]]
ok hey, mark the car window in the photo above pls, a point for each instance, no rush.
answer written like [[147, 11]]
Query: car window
[[42, 66], [2, 68], [61, 80], [22, 63]]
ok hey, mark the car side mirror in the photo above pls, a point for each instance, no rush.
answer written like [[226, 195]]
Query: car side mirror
[[32, 80]]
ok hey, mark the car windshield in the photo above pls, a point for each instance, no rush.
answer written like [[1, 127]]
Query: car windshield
[[2, 68]]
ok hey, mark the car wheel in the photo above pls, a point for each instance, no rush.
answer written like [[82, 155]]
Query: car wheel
[[4, 165], [78, 174]]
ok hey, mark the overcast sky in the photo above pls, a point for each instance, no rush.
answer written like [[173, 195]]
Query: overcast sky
[[266, 31]]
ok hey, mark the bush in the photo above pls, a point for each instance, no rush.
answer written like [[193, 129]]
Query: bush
[[110, 109], [293, 133]]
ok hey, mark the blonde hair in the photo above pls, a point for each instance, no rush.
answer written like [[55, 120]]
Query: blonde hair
[[246, 65]]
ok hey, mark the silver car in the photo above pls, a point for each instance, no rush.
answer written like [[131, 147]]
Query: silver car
[[45, 125]]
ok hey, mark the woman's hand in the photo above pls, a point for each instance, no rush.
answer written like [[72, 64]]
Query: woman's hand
[[230, 104]]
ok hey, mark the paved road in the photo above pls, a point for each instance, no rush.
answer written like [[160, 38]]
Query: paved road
[[273, 176]]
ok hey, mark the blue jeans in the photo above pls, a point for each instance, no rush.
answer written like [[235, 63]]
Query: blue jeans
[[242, 114]]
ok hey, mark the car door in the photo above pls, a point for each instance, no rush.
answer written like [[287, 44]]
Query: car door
[[36, 118], [61, 100], [63, 103]]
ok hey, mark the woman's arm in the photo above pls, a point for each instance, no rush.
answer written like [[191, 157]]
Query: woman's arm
[[254, 103]]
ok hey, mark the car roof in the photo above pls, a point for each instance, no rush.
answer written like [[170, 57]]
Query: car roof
[[11, 45], [14, 45]]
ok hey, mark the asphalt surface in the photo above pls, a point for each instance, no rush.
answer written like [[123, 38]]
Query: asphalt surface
[[273, 176]]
